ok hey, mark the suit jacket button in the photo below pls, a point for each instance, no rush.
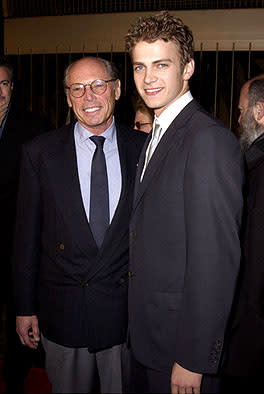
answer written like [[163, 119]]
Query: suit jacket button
[[132, 234], [85, 284], [121, 281], [130, 274], [62, 247]]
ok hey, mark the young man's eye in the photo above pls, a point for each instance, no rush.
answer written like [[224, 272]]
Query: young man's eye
[[138, 68], [162, 65]]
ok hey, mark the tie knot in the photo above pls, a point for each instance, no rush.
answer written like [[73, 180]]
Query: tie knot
[[156, 129], [98, 140]]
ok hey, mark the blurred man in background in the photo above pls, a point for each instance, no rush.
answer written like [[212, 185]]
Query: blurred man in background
[[245, 360], [16, 127], [144, 117]]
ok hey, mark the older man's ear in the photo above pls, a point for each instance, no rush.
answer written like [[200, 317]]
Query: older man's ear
[[259, 112]]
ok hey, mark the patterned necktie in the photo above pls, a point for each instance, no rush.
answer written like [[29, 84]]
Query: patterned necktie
[[154, 141], [152, 145], [99, 194]]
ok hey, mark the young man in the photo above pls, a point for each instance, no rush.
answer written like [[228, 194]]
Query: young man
[[185, 249], [71, 242]]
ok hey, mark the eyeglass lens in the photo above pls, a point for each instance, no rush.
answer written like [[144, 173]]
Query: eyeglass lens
[[98, 87]]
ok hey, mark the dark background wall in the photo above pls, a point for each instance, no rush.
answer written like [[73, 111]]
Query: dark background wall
[[216, 83]]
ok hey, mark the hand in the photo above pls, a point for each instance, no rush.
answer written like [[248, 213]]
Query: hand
[[28, 330], [184, 381]]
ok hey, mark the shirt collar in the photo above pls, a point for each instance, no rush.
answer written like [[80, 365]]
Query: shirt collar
[[4, 120], [170, 113], [84, 134]]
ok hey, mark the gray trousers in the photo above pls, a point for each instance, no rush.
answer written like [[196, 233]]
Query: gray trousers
[[75, 370]]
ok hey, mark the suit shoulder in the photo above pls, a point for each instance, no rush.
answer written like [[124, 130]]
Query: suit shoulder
[[131, 136], [48, 140], [206, 130]]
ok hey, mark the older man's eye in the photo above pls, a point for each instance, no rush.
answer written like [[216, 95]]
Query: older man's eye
[[4, 83], [99, 83], [77, 88]]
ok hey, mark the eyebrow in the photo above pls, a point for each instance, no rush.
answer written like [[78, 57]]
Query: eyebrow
[[5, 80], [155, 61]]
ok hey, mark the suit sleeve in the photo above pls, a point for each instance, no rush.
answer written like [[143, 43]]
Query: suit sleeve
[[27, 238], [213, 205]]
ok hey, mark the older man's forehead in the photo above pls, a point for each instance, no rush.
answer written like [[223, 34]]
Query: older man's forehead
[[4, 75], [88, 70]]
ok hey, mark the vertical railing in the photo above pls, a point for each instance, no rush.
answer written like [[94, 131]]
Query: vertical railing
[[226, 98], [125, 82], [249, 60], [57, 88], [44, 89], [200, 71], [18, 77], [31, 80], [232, 86], [216, 77]]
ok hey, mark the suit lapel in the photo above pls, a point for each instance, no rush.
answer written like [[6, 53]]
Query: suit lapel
[[123, 164], [141, 165], [170, 139], [68, 189]]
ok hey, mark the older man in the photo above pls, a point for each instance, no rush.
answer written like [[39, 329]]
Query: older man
[[246, 350], [71, 242]]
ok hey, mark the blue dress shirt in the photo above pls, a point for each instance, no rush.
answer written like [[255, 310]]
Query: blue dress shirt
[[85, 149]]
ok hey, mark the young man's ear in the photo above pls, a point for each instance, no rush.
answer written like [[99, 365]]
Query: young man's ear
[[258, 111], [188, 70]]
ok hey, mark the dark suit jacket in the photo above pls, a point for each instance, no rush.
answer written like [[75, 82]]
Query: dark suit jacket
[[78, 292], [185, 249], [246, 348], [20, 127]]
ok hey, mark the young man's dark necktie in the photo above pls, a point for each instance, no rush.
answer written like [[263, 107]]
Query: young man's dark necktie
[[99, 194]]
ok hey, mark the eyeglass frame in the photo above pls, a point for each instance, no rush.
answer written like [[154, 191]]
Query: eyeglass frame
[[138, 124], [90, 85]]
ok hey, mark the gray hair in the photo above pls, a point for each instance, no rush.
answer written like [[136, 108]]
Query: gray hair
[[256, 91], [110, 68]]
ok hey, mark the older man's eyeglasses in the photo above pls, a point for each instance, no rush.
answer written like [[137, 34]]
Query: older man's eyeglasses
[[98, 86]]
